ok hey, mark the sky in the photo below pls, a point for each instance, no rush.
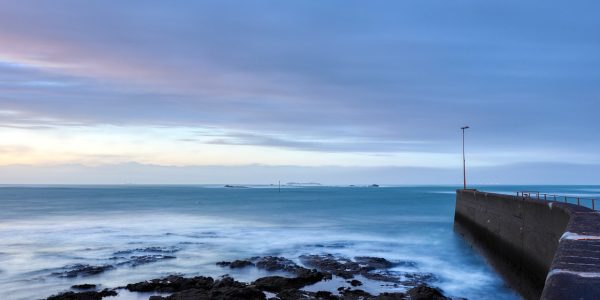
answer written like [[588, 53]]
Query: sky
[[330, 91]]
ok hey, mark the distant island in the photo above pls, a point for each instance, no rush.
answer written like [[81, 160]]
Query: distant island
[[236, 186]]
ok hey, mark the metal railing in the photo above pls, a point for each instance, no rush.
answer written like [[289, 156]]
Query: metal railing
[[582, 201]]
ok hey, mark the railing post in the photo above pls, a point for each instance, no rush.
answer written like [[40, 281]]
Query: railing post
[[578, 201]]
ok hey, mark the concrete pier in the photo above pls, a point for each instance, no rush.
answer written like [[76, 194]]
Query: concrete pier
[[544, 250]]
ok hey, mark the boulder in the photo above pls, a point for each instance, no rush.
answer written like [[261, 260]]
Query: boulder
[[172, 284], [236, 264], [424, 292], [89, 295], [85, 286], [276, 284]]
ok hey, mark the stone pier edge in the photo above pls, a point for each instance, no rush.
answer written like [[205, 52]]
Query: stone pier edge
[[555, 244]]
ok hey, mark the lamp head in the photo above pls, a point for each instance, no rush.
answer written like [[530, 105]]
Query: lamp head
[[463, 128]]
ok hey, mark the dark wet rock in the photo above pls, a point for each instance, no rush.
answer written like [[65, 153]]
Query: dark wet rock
[[226, 293], [419, 278], [345, 267], [274, 263], [423, 292], [236, 264], [85, 286], [350, 294], [204, 288], [223, 264], [240, 264], [294, 294], [136, 260], [276, 284], [403, 278], [146, 259], [325, 295], [339, 266], [386, 276], [117, 258], [172, 284], [390, 296], [200, 288], [80, 270], [227, 281], [286, 288], [374, 268], [89, 295], [373, 263], [148, 250], [355, 282]]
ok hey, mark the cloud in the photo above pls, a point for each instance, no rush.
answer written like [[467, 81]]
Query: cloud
[[327, 77], [11, 149], [312, 144], [23, 120]]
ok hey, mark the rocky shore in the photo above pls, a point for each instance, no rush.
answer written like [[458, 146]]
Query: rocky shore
[[314, 269]]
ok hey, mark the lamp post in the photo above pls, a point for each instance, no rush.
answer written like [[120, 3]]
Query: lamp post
[[464, 162]]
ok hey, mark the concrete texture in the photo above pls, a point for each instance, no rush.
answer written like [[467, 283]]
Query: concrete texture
[[547, 250]]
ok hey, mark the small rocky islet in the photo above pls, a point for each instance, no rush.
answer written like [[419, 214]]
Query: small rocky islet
[[314, 269]]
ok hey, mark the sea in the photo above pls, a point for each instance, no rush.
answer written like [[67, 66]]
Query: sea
[[45, 230]]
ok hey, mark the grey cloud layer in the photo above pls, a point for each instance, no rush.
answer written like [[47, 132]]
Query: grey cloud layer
[[384, 72], [310, 144]]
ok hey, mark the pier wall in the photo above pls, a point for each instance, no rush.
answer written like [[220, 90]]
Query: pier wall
[[545, 250]]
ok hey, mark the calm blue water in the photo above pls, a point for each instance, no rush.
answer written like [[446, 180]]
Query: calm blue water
[[43, 229]]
